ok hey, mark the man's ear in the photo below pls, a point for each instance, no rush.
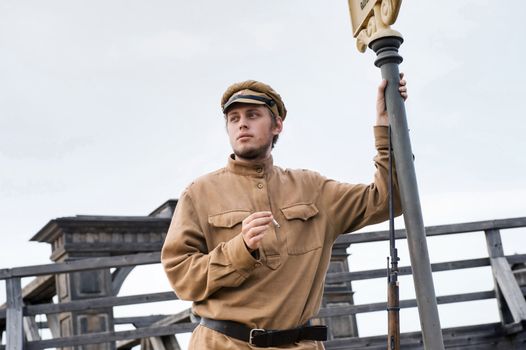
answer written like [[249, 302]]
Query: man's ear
[[278, 128]]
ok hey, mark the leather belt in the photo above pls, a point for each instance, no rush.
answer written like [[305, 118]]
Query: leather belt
[[266, 337]]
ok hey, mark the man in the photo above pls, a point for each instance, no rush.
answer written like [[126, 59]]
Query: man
[[250, 244]]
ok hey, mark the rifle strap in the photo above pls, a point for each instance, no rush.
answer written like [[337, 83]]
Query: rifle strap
[[390, 188]]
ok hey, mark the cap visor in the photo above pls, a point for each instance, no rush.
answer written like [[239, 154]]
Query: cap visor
[[242, 100]]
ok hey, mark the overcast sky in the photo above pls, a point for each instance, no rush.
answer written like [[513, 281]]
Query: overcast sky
[[112, 107]]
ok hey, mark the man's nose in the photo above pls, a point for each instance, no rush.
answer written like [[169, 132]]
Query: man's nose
[[243, 123]]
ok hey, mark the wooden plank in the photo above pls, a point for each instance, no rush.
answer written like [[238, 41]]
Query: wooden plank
[[39, 290], [494, 247], [167, 342], [363, 308], [494, 243], [175, 318], [339, 277], [171, 343], [516, 258], [509, 288], [145, 344], [116, 248], [520, 274], [54, 325], [479, 337], [97, 303], [405, 270], [139, 321], [159, 343], [97, 338], [15, 327], [31, 328], [376, 236], [127, 344], [514, 327], [364, 237], [82, 265]]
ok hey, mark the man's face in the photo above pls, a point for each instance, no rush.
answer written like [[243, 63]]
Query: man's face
[[251, 129]]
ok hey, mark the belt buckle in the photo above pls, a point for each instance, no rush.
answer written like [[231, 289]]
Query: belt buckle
[[254, 332]]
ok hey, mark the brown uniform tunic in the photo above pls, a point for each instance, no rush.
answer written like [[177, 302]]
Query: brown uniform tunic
[[206, 260]]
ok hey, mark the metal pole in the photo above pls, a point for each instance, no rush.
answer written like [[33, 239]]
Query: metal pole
[[388, 60]]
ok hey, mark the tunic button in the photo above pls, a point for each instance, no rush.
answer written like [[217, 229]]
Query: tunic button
[[260, 185]]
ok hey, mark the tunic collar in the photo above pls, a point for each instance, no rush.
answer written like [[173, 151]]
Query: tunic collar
[[255, 170]]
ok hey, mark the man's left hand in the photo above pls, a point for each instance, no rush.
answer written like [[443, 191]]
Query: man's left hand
[[381, 111]]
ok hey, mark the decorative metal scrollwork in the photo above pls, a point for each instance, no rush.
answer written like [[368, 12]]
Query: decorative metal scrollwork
[[378, 25]]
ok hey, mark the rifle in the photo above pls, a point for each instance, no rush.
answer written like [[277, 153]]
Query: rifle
[[393, 297]]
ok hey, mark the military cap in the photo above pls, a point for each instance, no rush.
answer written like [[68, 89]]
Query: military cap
[[255, 92]]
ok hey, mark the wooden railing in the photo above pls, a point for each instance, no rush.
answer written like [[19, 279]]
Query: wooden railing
[[19, 319]]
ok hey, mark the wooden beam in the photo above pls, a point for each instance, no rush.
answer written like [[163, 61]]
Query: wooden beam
[[39, 290], [479, 337], [127, 344], [494, 247], [509, 288], [54, 325], [167, 342], [405, 270], [15, 326], [176, 318], [105, 337], [82, 265], [96, 303], [139, 321], [363, 308], [376, 236], [31, 328], [116, 248], [159, 343], [339, 277]]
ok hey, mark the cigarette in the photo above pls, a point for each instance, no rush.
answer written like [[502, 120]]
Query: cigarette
[[275, 223]]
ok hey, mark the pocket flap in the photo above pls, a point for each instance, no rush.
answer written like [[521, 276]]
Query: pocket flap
[[303, 211], [228, 219]]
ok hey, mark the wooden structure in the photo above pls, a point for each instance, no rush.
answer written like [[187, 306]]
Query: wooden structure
[[103, 250]]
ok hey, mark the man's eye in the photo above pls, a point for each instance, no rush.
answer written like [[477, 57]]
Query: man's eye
[[233, 119]]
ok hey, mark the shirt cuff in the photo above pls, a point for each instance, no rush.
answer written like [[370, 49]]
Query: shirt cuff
[[241, 259], [381, 137]]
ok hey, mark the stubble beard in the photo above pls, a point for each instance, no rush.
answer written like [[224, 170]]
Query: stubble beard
[[251, 153]]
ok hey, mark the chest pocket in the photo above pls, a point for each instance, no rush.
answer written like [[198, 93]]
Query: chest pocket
[[301, 232], [224, 225]]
